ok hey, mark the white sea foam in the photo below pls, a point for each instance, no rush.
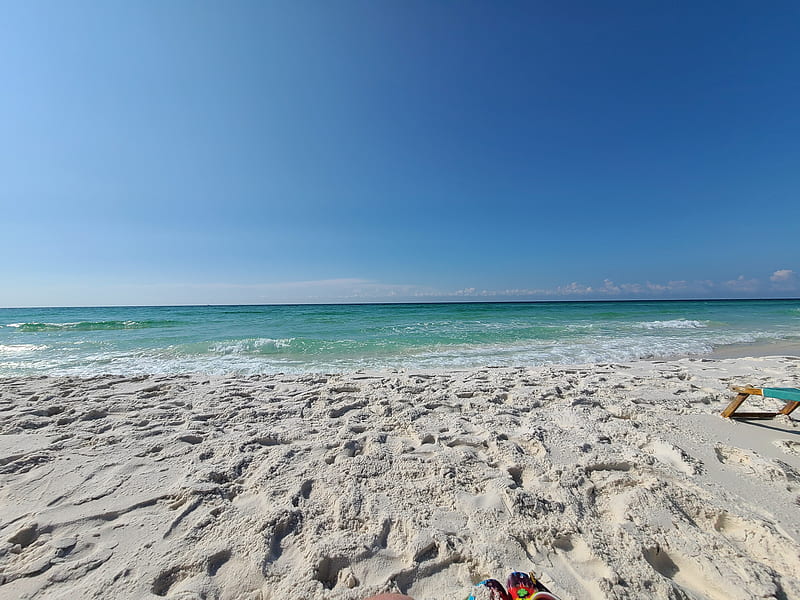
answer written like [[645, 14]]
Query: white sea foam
[[262, 355], [674, 324], [348, 346], [42, 324], [36, 326], [17, 349], [440, 357], [251, 346]]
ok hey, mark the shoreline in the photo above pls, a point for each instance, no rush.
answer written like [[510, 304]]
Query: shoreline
[[777, 348], [610, 480], [334, 338], [756, 349]]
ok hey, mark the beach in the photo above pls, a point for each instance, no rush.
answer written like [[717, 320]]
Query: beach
[[607, 480], [383, 300]]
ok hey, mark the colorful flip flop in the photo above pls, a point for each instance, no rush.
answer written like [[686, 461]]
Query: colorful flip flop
[[489, 589], [520, 586]]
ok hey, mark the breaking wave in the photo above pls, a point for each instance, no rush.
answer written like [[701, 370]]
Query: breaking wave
[[674, 324], [17, 349], [251, 346], [219, 340], [91, 325]]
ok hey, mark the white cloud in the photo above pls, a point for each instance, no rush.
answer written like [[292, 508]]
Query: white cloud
[[785, 280], [742, 284], [178, 293], [574, 288], [782, 275], [354, 289], [631, 288], [609, 287]]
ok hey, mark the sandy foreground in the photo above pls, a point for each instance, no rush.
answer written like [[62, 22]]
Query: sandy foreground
[[609, 481]]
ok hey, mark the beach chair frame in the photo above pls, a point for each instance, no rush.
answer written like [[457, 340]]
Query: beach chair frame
[[742, 394]]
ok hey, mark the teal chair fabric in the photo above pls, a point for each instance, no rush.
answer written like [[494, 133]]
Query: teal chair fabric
[[788, 394]]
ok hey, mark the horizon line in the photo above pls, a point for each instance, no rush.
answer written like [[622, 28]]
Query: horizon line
[[398, 303]]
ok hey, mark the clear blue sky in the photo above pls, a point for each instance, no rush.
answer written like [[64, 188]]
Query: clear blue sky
[[199, 152]]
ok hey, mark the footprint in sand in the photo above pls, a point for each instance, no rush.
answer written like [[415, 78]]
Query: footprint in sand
[[754, 465], [673, 456], [788, 446], [700, 579], [578, 559], [760, 541], [179, 581]]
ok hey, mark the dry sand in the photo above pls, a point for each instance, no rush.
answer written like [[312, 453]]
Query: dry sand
[[609, 481]]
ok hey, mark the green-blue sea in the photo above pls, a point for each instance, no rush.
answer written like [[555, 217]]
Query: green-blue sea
[[341, 338]]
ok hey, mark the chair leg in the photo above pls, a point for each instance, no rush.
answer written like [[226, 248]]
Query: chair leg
[[789, 407], [735, 404]]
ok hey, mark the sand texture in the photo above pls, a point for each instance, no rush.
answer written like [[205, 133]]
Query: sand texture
[[610, 481]]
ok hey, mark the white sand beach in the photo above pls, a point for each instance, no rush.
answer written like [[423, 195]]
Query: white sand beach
[[609, 481]]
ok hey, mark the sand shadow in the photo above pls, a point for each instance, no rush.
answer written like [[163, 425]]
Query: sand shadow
[[763, 425]]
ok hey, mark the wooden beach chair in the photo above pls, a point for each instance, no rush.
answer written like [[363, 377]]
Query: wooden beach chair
[[790, 395]]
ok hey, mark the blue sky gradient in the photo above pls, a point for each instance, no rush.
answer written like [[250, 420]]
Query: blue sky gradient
[[199, 152]]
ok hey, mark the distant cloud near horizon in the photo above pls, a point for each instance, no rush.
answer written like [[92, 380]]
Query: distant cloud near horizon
[[782, 283], [783, 275], [784, 280]]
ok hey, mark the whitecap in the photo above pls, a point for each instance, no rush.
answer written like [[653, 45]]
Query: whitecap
[[249, 346], [674, 324], [17, 349]]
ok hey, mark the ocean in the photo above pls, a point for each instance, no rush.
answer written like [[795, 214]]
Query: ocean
[[344, 338]]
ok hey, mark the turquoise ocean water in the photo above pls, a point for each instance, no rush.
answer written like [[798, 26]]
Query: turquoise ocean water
[[334, 338]]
